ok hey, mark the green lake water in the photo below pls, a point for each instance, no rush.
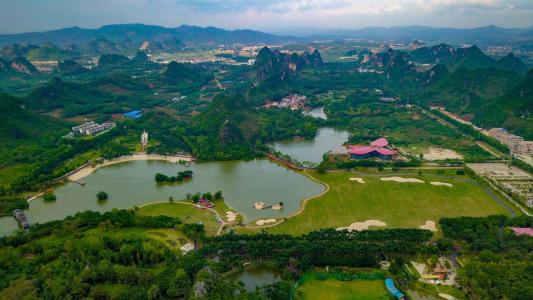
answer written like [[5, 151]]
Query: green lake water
[[327, 139], [132, 183], [253, 277]]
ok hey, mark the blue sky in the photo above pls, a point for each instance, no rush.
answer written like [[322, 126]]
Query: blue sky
[[39, 15]]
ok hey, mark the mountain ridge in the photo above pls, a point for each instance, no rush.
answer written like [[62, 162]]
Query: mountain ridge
[[138, 33]]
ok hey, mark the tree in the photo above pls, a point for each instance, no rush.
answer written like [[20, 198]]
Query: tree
[[188, 196], [153, 292], [207, 196], [49, 197], [195, 198], [101, 195], [160, 177], [218, 195]]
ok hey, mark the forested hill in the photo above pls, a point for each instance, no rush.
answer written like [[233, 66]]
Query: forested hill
[[138, 33], [19, 126], [512, 110], [276, 65], [18, 65], [468, 57]]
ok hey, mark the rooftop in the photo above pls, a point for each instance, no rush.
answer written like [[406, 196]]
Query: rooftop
[[377, 146]]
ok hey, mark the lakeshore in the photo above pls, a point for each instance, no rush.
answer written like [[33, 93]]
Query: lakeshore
[[89, 169]]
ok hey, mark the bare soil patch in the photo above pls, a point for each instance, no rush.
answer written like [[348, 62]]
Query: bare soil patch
[[441, 154]]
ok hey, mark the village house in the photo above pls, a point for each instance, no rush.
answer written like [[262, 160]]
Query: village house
[[293, 102], [516, 143]]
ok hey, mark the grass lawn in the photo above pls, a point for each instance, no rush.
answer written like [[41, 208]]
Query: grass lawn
[[187, 214], [396, 204], [334, 289]]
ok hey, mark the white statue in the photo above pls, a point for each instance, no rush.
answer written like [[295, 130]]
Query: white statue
[[144, 140]]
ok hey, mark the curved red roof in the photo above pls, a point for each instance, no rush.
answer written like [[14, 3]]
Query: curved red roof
[[381, 142], [362, 150], [376, 146]]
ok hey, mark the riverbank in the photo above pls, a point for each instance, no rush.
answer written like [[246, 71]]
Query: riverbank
[[88, 168]]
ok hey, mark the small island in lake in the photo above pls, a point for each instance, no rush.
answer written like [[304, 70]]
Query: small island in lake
[[180, 176]]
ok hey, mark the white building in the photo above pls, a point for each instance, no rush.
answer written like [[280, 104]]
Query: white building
[[92, 128]]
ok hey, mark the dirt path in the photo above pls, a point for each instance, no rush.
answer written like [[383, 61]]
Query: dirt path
[[214, 212]]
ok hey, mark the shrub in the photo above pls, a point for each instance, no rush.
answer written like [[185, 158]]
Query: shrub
[[101, 195], [49, 197]]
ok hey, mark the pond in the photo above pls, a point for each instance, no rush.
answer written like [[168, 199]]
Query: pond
[[254, 276], [132, 183], [7, 225], [327, 139]]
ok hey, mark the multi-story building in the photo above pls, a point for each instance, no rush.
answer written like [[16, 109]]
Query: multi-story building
[[92, 128], [516, 143]]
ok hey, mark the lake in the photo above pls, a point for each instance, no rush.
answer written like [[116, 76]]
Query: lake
[[132, 183], [253, 277], [327, 139]]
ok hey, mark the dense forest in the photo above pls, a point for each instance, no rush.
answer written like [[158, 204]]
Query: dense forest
[[112, 259]]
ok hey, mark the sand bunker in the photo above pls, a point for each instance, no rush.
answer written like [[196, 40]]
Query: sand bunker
[[357, 179], [277, 207], [441, 154], [447, 297], [359, 226], [441, 183], [401, 179], [430, 225], [263, 222], [259, 205], [231, 216]]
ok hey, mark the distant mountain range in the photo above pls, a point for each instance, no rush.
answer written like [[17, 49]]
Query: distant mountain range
[[139, 33], [151, 37], [479, 35]]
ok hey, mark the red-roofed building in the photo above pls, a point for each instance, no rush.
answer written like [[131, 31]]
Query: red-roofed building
[[376, 149], [522, 231]]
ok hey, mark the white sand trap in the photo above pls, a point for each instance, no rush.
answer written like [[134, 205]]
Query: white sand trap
[[357, 179], [441, 183], [231, 216], [360, 226], [402, 179], [447, 297], [263, 222], [430, 225], [441, 154]]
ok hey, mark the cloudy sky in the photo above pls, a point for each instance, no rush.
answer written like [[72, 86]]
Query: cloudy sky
[[39, 15]]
